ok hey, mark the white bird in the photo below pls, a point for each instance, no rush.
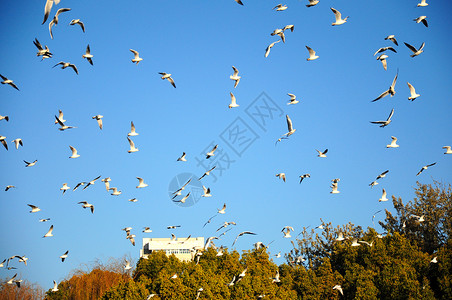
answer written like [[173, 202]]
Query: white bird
[[127, 265], [367, 243], [17, 142], [48, 8], [64, 256], [8, 81], [415, 51], [4, 118], [235, 76], [383, 197], [233, 101], [222, 210], [88, 55], [425, 168], [281, 176], [64, 188], [384, 123], [74, 152], [55, 19], [312, 3], [182, 158], [44, 52], [393, 143], [312, 55], [211, 153], [9, 187], [78, 22], [116, 192], [419, 219], [334, 188], [132, 130], [91, 182], [276, 279], [392, 39], [206, 192], [339, 288], [12, 280], [184, 198], [30, 164], [355, 243], [240, 234], [226, 224], [207, 173], [141, 183], [99, 120], [44, 220], [448, 150], [267, 50], [413, 95], [304, 176], [423, 3], [280, 33], [321, 154], [131, 237], [286, 230], [290, 27], [280, 7], [434, 260], [79, 185], [64, 65], [107, 182], [340, 237], [390, 91], [87, 205], [383, 49], [55, 287], [293, 99], [3, 140], [60, 117], [289, 128], [62, 125], [132, 146], [382, 58], [422, 19], [339, 20], [137, 57], [49, 233], [147, 229], [382, 175], [34, 208], [168, 77], [373, 183]]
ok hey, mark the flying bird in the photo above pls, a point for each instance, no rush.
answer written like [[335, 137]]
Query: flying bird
[[60, 117], [132, 130], [64, 256], [281, 176], [267, 50], [382, 175], [413, 95], [62, 126], [448, 150], [44, 220], [147, 229], [339, 20], [106, 181], [392, 39], [293, 99], [64, 188], [290, 129], [286, 230], [44, 52], [87, 205], [55, 19], [393, 143], [49, 233], [422, 19], [425, 168], [206, 192], [48, 8], [207, 173], [78, 22], [242, 233], [383, 49], [322, 154], [3, 140], [422, 3], [385, 123], [30, 164], [415, 51], [55, 287], [8, 81], [182, 158], [137, 57], [4, 118], [280, 33], [223, 209], [132, 146], [339, 288], [33, 208], [9, 187], [383, 197], [334, 189], [116, 192], [382, 58], [239, 2], [312, 3], [17, 142], [390, 91], [141, 183], [168, 77], [280, 7], [79, 185], [74, 152], [92, 182], [235, 76], [233, 101], [304, 176], [211, 153], [88, 55], [64, 65], [312, 55]]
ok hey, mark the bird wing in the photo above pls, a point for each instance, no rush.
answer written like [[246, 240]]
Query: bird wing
[[392, 49], [74, 67], [135, 52], [390, 115], [384, 94], [424, 21], [47, 9], [172, 81], [233, 100], [61, 10], [337, 14], [74, 151], [311, 52], [236, 72], [289, 123], [132, 127], [412, 90], [81, 25], [37, 44], [411, 47], [50, 28], [431, 164], [132, 145], [88, 50], [395, 80]]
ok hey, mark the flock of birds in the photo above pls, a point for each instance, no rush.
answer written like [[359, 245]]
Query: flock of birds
[[179, 195]]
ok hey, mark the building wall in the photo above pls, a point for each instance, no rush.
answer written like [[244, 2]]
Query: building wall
[[180, 247]]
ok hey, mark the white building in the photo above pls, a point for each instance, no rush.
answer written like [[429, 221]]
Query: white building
[[181, 247]]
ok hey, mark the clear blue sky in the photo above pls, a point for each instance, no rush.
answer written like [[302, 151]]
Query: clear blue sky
[[198, 42]]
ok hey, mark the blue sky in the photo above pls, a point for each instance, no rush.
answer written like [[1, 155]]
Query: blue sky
[[198, 42]]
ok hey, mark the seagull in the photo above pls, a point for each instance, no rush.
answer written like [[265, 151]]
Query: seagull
[[339, 20], [280, 33], [132, 130], [131, 237], [17, 142], [172, 227], [286, 230], [168, 77], [383, 49], [107, 182], [141, 183], [8, 81], [60, 117], [293, 99], [419, 219], [355, 243], [147, 229], [340, 237], [11, 281], [304, 176], [137, 57], [91, 182], [3, 140], [78, 22], [55, 19], [393, 143], [367, 243], [74, 152], [127, 265], [412, 92], [223, 210], [44, 220], [4, 118], [339, 288], [312, 3], [382, 175], [206, 192], [383, 197], [87, 205], [415, 51], [64, 65], [322, 154], [392, 39], [88, 55], [179, 191], [280, 7], [207, 173], [423, 3], [64, 256], [30, 164], [34, 208], [334, 188], [226, 224], [64, 188], [382, 58], [425, 168], [312, 55], [115, 191], [373, 183], [48, 8], [229, 284], [289, 128], [55, 287], [242, 233], [182, 158], [208, 221], [448, 150], [132, 146], [390, 91], [434, 260], [233, 101], [385, 123], [267, 50], [44, 52], [281, 176], [49, 233], [9, 187], [79, 184], [235, 76], [422, 19], [211, 153], [184, 198]]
